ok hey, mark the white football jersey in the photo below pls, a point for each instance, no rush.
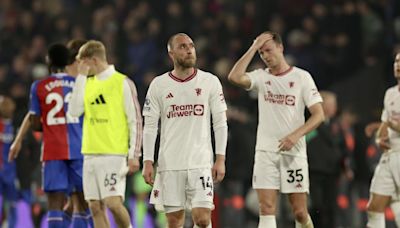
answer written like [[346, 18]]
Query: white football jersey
[[391, 111], [185, 108], [281, 105]]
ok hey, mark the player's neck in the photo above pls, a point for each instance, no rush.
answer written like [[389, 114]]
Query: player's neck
[[71, 70], [182, 73], [280, 68]]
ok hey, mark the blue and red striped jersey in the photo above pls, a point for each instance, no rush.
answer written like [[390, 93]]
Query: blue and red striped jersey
[[62, 134], [6, 138]]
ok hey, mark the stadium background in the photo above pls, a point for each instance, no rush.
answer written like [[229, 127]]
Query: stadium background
[[347, 45]]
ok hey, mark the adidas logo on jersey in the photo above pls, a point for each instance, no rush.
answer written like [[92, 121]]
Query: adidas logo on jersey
[[99, 100], [169, 96]]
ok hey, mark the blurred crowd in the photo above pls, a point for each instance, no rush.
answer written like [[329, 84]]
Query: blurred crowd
[[347, 45]]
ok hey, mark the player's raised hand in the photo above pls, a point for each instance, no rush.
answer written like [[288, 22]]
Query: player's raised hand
[[83, 67], [133, 165], [148, 172], [288, 142], [261, 40], [14, 150], [218, 169]]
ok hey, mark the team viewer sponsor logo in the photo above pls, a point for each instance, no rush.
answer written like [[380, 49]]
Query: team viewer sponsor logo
[[176, 111], [281, 99], [94, 121]]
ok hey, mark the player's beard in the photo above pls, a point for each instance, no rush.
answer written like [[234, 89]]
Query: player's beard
[[186, 62]]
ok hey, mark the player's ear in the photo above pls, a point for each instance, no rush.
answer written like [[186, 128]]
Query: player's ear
[[170, 54], [280, 46]]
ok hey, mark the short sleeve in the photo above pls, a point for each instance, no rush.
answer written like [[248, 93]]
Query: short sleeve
[[217, 98], [254, 75], [151, 105], [34, 105], [310, 92]]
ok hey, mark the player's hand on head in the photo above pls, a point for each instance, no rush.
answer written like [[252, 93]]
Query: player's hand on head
[[83, 67], [218, 171], [14, 151], [148, 172], [133, 165], [261, 40]]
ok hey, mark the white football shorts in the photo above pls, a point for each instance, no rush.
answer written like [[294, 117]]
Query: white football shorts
[[386, 180], [104, 176], [286, 173], [182, 189]]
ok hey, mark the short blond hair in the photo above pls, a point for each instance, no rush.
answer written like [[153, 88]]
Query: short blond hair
[[92, 48], [172, 38]]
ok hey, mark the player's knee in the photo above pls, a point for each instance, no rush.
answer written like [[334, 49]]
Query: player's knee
[[202, 221], [267, 208], [174, 222], [300, 214], [113, 205], [56, 200], [79, 205], [95, 208], [375, 206]]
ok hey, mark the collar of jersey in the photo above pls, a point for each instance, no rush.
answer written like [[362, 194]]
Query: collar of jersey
[[281, 73], [106, 73], [186, 79]]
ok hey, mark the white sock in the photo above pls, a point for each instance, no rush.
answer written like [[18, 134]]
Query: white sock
[[308, 224], [209, 225], [396, 210], [376, 220], [267, 221]]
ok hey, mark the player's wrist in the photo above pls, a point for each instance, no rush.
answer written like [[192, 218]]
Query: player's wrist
[[220, 158], [134, 158], [148, 162]]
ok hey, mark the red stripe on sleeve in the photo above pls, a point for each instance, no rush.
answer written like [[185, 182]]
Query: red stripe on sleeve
[[139, 121]]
